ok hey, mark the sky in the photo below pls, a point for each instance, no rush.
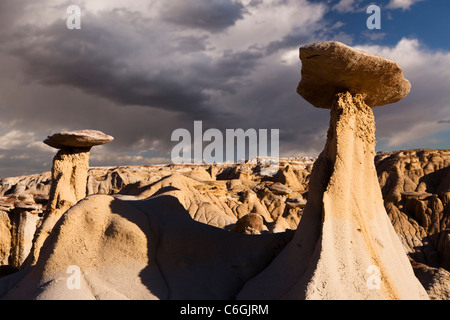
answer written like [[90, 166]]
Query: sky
[[138, 70]]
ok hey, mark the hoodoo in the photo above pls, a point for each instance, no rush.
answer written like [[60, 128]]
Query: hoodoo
[[345, 246], [69, 177], [145, 244], [70, 166]]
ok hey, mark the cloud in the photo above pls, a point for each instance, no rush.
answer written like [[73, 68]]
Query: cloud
[[140, 63], [135, 58], [268, 22], [191, 43], [349, 6], [20, 152], [373, 35], [136, 74], [293, 38], [401, 4], [139, 70], [412, 121], [98, 61], [421, 133], [15, 139], [344, 6], [210, 15]]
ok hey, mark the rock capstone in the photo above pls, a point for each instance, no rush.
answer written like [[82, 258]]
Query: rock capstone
[[331, 67], [77, 139]]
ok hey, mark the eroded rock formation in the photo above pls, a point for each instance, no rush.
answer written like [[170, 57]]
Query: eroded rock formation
[[416, 189], [69, 178], [142, 249], [285, 209], [143, 242], [345, 233]]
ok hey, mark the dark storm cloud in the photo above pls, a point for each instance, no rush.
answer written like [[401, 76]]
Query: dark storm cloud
[[174, 69], [209, 15], [131, 68], [235, 64], [93, 60], [138, 72], [271, 102], [226, 72]]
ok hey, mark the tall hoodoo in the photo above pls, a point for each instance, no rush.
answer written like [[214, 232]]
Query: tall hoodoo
[[345, 246], [69, 177], [70, 166]]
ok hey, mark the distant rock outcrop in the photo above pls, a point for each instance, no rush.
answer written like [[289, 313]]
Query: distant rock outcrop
[[208, 199], [285, 211], [416, 190]]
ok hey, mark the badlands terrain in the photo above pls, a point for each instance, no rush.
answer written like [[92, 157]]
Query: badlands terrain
[[349, 224], [236, 198]]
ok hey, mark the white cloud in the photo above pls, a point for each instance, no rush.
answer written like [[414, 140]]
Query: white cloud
[[20, 140], [290, 57], [374, 36], [344, 6], [421, 132], [271, 21], [401, 4], [15, 139]]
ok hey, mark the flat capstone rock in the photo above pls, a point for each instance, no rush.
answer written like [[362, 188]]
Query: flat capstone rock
[[77, 139], [331, 67]]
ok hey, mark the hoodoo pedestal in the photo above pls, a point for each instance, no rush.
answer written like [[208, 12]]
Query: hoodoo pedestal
[[69, 178], [345, 246]]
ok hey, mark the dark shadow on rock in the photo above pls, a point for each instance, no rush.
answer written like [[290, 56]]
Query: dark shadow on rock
[[7, 270], [192, 260], [164, 190]]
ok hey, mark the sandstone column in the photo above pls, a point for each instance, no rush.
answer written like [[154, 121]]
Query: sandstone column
[[345, 246], [69, 178]]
